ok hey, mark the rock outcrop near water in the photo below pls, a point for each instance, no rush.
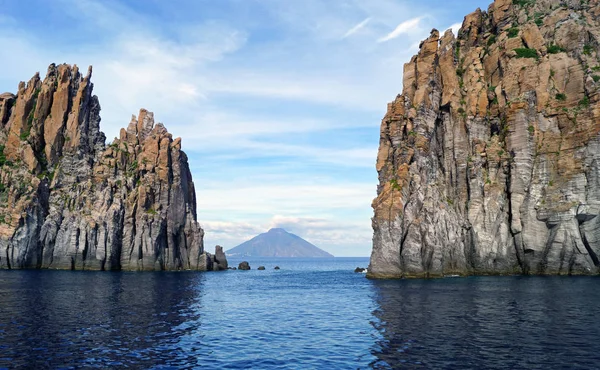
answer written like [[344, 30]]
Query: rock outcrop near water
[[489, 161], [68, 201]]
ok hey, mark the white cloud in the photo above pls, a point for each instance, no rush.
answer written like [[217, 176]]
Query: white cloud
[[403, 28], [351, 157], [228, 233], [236, 196], [455, 27], [109, 15], [356, 28], [343, 90], [326, 232], [294, 222], [336, 236]]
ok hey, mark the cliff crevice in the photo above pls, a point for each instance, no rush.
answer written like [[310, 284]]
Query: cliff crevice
[[69, 201], [488, 160]]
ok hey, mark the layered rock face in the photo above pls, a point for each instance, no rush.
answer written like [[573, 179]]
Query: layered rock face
[[489, 161], [68, 201]]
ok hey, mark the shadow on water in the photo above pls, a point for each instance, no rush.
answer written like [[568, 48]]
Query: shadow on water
[[88, 319], [487, 322]]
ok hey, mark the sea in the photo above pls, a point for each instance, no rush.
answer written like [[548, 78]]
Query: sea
[[309, 314]]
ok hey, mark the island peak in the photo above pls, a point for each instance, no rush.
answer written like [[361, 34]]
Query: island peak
[[277, 242], [69, 201]]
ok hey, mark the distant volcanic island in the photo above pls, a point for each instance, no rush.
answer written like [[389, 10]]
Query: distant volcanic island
[[277, 243]]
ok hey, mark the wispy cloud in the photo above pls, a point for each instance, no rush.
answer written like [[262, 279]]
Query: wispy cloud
[[403, 28], [356, 28], [6, 21], [302, 199], [345, 90], [347, 157]]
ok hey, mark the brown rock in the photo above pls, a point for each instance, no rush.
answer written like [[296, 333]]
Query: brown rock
[[7, 101], [71, 202], [487, 160]]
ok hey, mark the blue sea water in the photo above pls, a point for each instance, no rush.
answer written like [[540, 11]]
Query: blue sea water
[[311, 314]]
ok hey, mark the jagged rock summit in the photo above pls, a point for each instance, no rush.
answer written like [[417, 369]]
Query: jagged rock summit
[[489, 161], [277, 243], [68, 201]]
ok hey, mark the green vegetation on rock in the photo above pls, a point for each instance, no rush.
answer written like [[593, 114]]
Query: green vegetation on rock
[[2, 156], [555, 49], [527, 53]]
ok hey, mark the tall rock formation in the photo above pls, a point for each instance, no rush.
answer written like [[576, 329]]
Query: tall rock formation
[[489, 161], [68, 201]]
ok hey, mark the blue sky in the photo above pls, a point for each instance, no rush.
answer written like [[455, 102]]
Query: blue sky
[[278, 102]]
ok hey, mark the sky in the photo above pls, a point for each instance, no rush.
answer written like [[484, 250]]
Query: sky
[[278, 102]]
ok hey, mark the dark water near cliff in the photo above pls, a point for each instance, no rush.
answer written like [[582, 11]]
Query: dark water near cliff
[[310, 314]]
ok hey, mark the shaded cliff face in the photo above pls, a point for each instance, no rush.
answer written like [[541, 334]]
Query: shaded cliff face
[[67, 201], [489, 160]]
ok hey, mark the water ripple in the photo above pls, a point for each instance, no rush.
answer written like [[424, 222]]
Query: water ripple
[[310, 314]]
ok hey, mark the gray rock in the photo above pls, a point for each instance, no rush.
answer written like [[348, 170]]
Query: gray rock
[[220, 258], [72, 202], [483, 172], [244, 266], [261, 267]]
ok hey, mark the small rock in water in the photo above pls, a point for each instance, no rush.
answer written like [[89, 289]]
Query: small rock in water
[[276, 267], [231, 268], [244, 266], [359, 269], [261, 267], [220, 259]]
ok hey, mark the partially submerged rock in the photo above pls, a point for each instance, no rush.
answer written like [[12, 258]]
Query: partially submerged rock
[[261, 267], [244, 266], [220, 260]]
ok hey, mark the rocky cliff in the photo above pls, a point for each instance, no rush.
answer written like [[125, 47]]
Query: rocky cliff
[[489, 161], [68, 201]]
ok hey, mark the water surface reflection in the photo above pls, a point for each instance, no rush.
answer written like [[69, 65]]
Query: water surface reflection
[[488, 322], [310, 314], [65, 318]]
